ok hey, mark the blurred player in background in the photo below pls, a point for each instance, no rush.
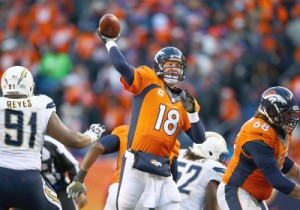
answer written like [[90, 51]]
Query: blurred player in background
[[260, 162], [59, 167], [25, 118], [200, 171], [116, 142], [159, 112]]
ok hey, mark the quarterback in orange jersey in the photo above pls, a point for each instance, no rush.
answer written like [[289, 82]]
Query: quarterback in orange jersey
[[159, 112], [260, 162], [116, 142]]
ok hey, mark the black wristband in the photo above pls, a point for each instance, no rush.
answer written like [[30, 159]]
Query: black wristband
[[80, 176]]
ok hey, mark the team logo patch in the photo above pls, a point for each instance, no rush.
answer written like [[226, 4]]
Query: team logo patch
[[156, 163]]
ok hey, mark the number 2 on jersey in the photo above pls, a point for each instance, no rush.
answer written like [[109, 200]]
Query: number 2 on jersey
[[192, 173], [14, 119], [170, 125]]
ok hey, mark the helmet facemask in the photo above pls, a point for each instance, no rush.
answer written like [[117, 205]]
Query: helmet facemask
[[279, 106], [289, 120], [169, 54], [173, 77]]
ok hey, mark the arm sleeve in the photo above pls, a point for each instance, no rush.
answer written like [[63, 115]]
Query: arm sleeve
[[264, 158], [111, 143], [196, 132], [287, 165], [174, 169], [121, 65]]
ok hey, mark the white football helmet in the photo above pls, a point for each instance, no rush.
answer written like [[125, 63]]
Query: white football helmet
[[17, 80], [214, 147]]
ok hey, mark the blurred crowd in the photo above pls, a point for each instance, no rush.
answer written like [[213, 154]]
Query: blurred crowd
[[235, 49]]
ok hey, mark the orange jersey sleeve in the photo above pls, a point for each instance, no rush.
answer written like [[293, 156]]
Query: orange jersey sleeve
[[255, 182], [157, 114], [121, 132]]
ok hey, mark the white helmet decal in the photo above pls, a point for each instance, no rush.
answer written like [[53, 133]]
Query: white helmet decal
[[275, 98]]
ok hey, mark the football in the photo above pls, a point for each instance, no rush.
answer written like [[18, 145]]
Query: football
[[109, 26]]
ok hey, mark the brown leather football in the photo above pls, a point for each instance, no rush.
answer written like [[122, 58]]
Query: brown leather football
[[109, 26]]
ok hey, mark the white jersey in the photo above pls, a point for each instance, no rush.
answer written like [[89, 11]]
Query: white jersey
[[23, 123], [193, 178]]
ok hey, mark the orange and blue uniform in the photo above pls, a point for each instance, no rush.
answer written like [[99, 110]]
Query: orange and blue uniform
[[157, 116], [254, 181], [122, 132], [256, 167]]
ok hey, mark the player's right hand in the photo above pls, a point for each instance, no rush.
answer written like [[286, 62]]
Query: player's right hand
[[105, 38], [188, 101], [75, 189], [95, 131]]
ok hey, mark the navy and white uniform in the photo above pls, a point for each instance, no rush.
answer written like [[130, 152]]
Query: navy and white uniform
[[193, 178], [23, 123]]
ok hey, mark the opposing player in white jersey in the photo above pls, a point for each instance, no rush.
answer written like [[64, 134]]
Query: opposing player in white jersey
[[200, 171], [24, 119]]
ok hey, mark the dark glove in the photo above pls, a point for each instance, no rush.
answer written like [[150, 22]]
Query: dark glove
[[105, 38], [188, 101]]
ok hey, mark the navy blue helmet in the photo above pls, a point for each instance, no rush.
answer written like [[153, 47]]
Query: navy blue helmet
[[165, 54], [278, 104]]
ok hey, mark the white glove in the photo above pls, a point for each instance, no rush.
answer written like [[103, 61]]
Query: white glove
[[105, 38], [74, 189], [95, 132]]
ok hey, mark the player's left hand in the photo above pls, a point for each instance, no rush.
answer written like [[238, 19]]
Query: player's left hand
[[95, 131], [188, 101], [75, 189], [81, 201]]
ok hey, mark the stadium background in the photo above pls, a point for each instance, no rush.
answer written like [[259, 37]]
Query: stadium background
[[234, 48]]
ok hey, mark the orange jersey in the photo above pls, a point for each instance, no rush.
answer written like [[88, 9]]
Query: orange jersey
[[255, 183], [121, 132], [157, 115]]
